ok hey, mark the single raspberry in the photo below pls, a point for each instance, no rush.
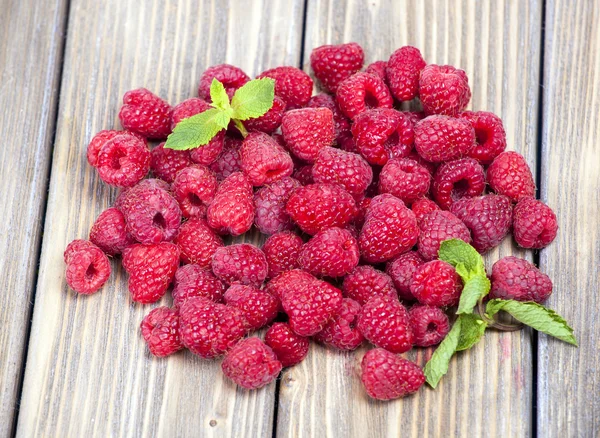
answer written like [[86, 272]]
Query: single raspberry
[[100, 139], [405, 179], [430, 325], [209, 329], [282, 250], [443, 138], [303, 175], [320, 206], [341, 331], [289, 347], [403, 70], [269, 204], [123, 161], [232, 209], [259, 307], [384, 322], [365, 282], [229, 160], [146, 114], [517, 279], [436, 283], [378, 68], [263, 160], [88, 267], [349, 170], [291, 84], [197, 242], [489, 134], [362, 208], [390, 229], [401, 270], [361, 92], [457, 179], [510, 175], [292, 278], [308, 130], [334, 63], [436, 227], [196, 281], [165, 163], [330, 253], [342, 123], [109, 232], [230, 76], [194, 188], [160, 329], [210, 152], [126, 195], [534, 224], [188, 108], [251, 364], [269, 121], [423, 206], [387, 376], [151, 269], [240, 263], [444, 89], [488, 217]]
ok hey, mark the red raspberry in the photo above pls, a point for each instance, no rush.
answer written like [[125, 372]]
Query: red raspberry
[[165, 163], [88, 267], [100, 140], [390, 229], [423, 206], [384, 322], [342, 123], [280, 284], [444, 89], [346, 143], [330, 253], [123, 161], [436, 227], [263, 160], [534, 224], [160, 329], [360, 92], [517, 279], [303, 175], [269, 203], [457, 179], [403, 71], [197, 242], [308, 130], [378, 68], [436, 283], [259, 307], [365, 282], [188, 108], [387, 376], [443, 138], [229, 160], [240, 263], [405, 179], [196, 281], [489, 134], [401, 270], [320, 206], [334, 63], [289, 348], [269, 121], [282, 251], [146, 114], [291, 84], [251, 364], [151, 269], [488, 217], [230, 76], [194, 188], [210, 152], [209, 329], [349, 170], [430, 325], [109, 232], [362, 206], [232, 209], [510, 175], [146, 185], [341, 331]]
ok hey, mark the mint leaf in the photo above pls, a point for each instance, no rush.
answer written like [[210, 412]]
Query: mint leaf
[[535, 315], [197, 130], [219, 96], [472, 328], [253, 99], [438, 364], [475, 288], [467, 261]]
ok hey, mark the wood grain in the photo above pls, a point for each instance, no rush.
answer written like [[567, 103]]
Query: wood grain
[[568, 377], [88, 372], [488, 391]]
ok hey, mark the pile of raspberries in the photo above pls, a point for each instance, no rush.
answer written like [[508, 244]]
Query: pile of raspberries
[[355, 196]]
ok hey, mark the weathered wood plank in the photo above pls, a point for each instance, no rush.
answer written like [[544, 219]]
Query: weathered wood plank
[[488, 391], [569, 378], [88, 372]]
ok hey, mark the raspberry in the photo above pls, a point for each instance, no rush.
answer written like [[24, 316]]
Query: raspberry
[[100, 140], [390, 229], [269, 203], [346, 143], [341, 122], [436, 283], [197, 242], [160, 329], [405, 179], [436, 227], [320, 206], [280, 284], [291, 84], [361, 92], [251, 364], [304, 175], [509, 175], [384, 322], [349, 170], [151, 269], [229, 160], [165, 163], [232, 209], [365, 282], [334, 63], [209, 329], [196, 281], [401, 270], [109, 232], [387, 376], [259, 307], [269, 121], [230, 76], [240, 263], [443, 138], [362, 206], [282, 251], [422, 206], [431, 167], [308, 130], [194, 188], [429, 324], [489, 134], [341, 331], [517, 279], [444, 89], [457, 179], [263, 160], [188, 108], [534, 224], [210, 152], [88, 267], [146, 114], [488, 217], [123, 161], [403, 70], [331, 253], [378, 68], [289, 348], [145, 186]]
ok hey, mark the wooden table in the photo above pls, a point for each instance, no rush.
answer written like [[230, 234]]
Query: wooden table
[[76, 366]]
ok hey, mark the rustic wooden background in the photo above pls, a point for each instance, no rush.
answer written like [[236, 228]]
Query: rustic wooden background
[[77, 366]]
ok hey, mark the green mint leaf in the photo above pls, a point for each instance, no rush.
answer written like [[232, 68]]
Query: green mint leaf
[[438, 364], [474, 289], [457, 253], [253, 99], [472, 328], [197, 130], [219, 96], [535, 315]]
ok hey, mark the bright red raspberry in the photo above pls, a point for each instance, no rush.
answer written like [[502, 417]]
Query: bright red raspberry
[[269, 204], [259, 307], [197, 242], [365, 282], [303, 175], [210, 152], [517, 279], [423, 206], [444, 89], [151, 269], [489, 134], [457, 179], [384, 322], [188, 108], [88, 267], [100, 139], [269, 121], [443, 138], [510, 175], [123, 160], [289, 347], [334, 63], [109, 232], [165, 163], [361, 92], [229, 160], [251, 364], [282, 250], [263, 160], [292, 278], [196, 281], [436, 283], [403, 70], [230, 76], [232, 209], [534, 224], [349, 170], [387, 376], [378, 68], [330, 253], [341, 331], [308, 130], [342, 123], [430, 325], [291, 84], [145, 113], [240, 263], [436, 227], [194, 188], [160, 329], [401, 270], [405, 179]]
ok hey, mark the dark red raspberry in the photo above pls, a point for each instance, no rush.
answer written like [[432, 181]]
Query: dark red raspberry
[[123, 161], [230, 76], [457, 179], [263, 160], [303, 175], [146, 114], [510, 175], [293, 278], [109, 232], [361, 92], [100, 140], [378, 68], [282, 251], [229, 160], [240, 263], [384, 322], [259, 307], [365, 282], [436, 283], [387, 376], [194, 188], [436, 227], [232, 209], [444, 89], [160, 329], [210, 152], [151, 269], [403, 70], [196, 281], [251, 364], [291, 84], [346, 143], [269, 121], [431, 167], [289, 348], [269, 203], [197, 242], [430, 325], [362, 206], [334, 63], [349, 170], [405, 179], [401, 270], [308, 130], [517, 279], [342, 123], [423, 206], [88, 267], [443, 138], [489, 134], [534, 224], [330, 253], [165, 163], [188, 108], [341, 331]]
